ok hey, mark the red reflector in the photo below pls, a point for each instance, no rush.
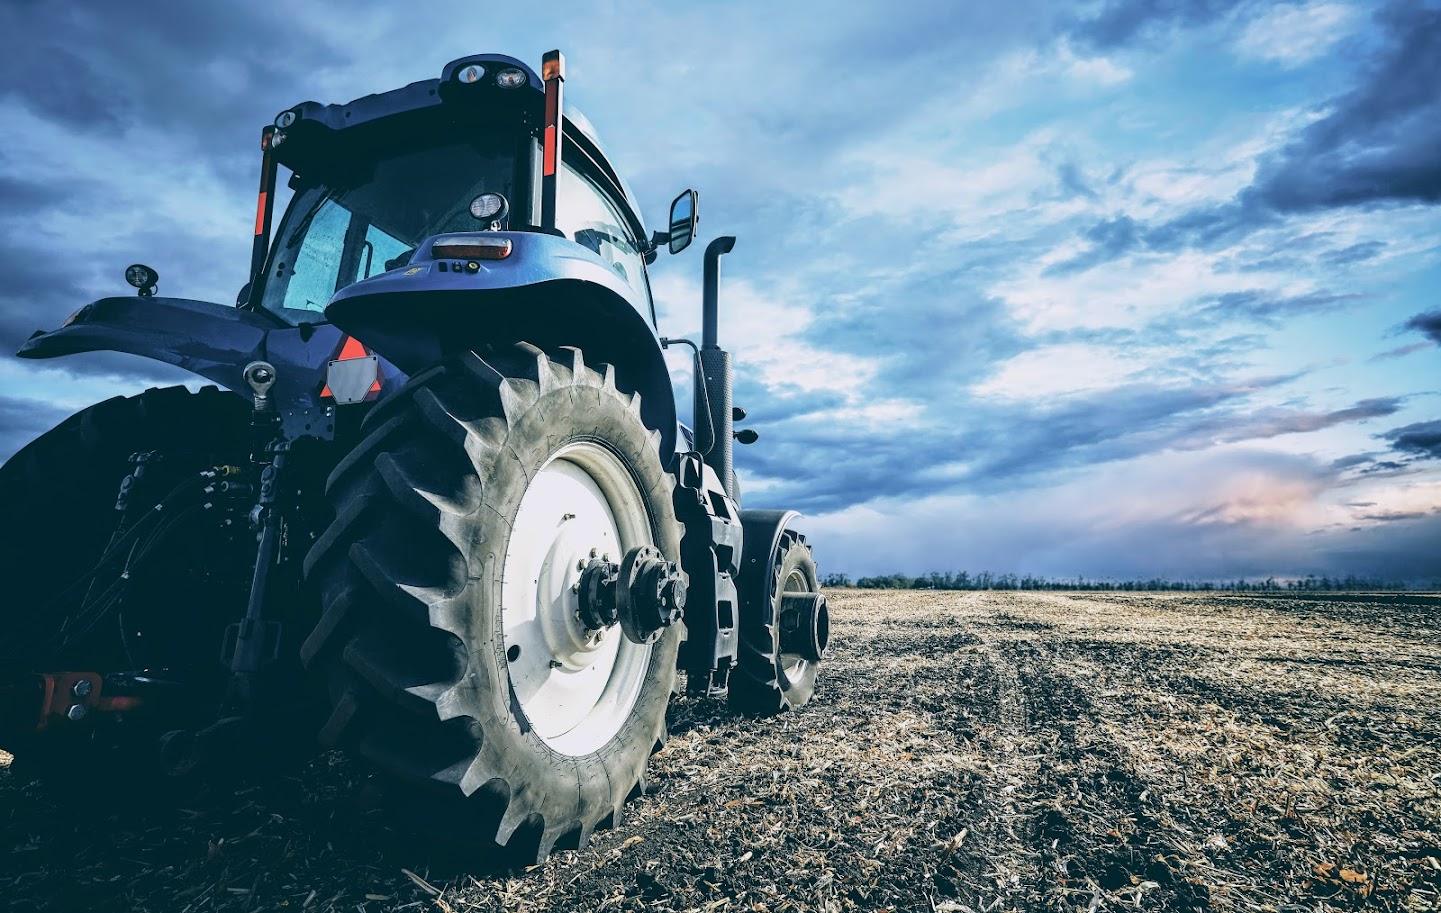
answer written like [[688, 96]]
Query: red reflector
[[260, 214], [472, 249], [353, 348], [350, 350]]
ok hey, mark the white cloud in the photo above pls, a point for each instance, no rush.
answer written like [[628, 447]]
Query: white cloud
[[1291, 35], [1063, 370]]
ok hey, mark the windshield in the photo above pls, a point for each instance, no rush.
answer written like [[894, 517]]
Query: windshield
[[339, 233]]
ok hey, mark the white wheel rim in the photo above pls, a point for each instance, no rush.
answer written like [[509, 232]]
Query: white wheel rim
[[793, 664], [576, 688]]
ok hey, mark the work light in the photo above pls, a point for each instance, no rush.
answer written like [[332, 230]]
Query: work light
[[510, 78], [471, 74], [488, 206]]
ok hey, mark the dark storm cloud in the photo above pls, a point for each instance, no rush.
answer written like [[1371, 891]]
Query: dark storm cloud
[[1428, 323], [22, 420], [985, 449], [100, 67], [1422, 438], [1120, 22], [1404, 549], [1383, 466], [1378, 144]]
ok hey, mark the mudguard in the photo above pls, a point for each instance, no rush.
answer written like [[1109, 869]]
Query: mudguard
[[211, 340], [549, 291], [763, 530]]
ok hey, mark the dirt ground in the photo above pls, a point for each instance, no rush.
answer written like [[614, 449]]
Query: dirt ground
[[965, 752]]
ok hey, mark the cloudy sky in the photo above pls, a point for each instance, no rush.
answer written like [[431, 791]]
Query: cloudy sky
[[1129, 287]]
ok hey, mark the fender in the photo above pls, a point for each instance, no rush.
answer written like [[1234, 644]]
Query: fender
[[549, 291], [762, 529], [211, 340]]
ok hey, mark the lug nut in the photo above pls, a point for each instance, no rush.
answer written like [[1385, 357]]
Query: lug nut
[[83, 688], [77, 712]]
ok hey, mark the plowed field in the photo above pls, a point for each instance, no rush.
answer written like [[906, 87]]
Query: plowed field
[[966, 751]]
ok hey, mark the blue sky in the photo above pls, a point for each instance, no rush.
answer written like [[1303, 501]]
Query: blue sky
[[1121, 288]]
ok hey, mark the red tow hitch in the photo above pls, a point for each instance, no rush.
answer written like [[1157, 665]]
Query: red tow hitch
[[36, 702]]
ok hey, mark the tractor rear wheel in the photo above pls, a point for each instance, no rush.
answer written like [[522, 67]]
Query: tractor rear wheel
[[58, 494], [58, 497], [773, 673], [451, 639]]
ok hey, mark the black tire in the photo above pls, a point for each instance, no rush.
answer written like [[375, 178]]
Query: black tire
[[58, 495], [411, 639], [767, 681]]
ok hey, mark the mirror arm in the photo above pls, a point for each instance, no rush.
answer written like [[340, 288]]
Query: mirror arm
[[657, 238]]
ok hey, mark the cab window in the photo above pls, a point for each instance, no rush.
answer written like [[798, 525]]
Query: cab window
[[589, 217]]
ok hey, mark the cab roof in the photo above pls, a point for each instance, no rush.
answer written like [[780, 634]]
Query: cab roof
[[312, 117]]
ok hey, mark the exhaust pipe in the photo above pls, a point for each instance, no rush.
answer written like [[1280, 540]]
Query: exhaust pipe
[[714, 378]]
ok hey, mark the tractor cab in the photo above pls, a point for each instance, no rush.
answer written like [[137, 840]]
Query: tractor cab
[[472, 151]]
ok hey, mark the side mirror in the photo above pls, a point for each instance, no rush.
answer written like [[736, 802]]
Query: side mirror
[[683, 219]]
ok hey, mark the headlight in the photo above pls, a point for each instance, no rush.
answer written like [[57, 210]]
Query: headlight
[[285, 119], [471, 73], [511, 78]]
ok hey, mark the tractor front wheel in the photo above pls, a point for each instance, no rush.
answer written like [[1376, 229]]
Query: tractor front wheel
[[783, 639]]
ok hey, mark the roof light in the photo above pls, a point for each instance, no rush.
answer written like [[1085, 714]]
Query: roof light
[[142, 277], [511, 78], [471, 247], [285, 118], [471, 73], [276, 139], [488, 206]]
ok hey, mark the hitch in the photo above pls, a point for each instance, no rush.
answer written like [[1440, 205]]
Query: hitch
[[34, 703]]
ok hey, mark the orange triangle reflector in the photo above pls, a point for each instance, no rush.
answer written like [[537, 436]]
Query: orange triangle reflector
[[352, 348]]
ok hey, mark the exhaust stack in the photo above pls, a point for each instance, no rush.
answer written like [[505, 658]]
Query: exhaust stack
[[715, 378]]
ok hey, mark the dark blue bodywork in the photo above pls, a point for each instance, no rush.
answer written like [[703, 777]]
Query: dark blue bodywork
[[211, 340], [550, 291]]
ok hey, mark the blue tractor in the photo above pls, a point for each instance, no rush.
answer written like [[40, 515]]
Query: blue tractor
[[438, 509]]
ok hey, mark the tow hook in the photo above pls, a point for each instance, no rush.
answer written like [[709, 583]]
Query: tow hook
[[75, 696]]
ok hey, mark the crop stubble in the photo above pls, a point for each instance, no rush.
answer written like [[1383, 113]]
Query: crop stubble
[[966, 751]]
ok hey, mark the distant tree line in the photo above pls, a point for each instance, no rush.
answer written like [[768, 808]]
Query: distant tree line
[[985, 580]]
